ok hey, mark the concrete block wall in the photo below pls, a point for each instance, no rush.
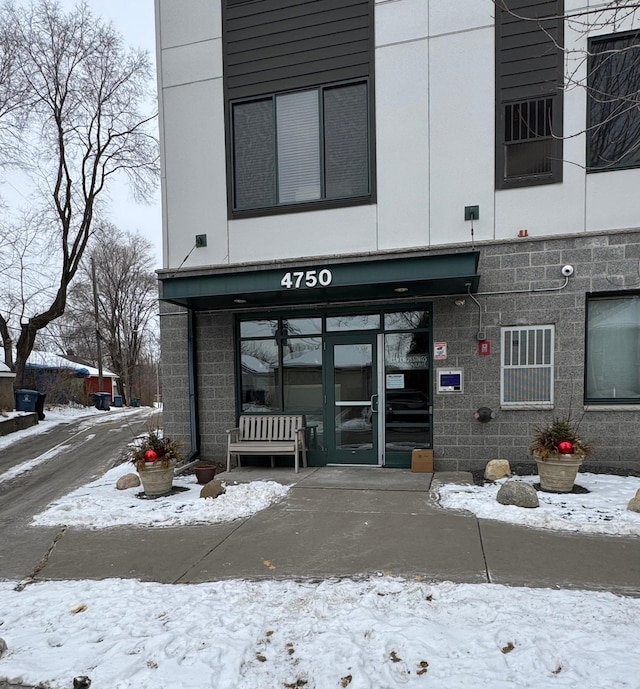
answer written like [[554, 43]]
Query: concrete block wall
[[606, 262], [216, 382], [174, 373], [603, 262]]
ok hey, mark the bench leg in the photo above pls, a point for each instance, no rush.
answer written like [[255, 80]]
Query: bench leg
[[229, 461]]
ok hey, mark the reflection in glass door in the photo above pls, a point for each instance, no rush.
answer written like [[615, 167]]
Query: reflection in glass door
[[407, 395], [352, 399]]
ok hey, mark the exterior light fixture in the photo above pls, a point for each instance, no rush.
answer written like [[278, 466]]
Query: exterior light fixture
[[401, 289], [239, 301], [459, 301]]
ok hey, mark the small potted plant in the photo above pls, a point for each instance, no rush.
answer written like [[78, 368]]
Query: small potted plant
[[559, 451], [155, 458]]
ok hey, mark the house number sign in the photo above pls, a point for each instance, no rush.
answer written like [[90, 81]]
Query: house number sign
[[300, 279]]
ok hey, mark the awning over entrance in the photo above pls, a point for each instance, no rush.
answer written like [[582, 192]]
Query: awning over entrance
[[324, 282]]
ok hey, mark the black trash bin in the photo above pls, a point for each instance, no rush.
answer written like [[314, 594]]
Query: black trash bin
[[101, 400], [40, 405], [135, 401], [26, 400]]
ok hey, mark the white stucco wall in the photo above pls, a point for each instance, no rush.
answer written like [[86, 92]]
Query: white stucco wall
[[434, 97]]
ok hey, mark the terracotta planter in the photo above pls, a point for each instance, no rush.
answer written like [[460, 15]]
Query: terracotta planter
[[205, 473], [558, 472], [156, 479]]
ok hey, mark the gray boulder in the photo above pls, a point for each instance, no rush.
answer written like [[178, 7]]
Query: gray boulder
[[517, 493], [212, 489], [128, 481], [634, 503], [3, 647]]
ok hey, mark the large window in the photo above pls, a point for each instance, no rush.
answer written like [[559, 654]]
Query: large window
[[527, 366], [613, 131], [613, 350], [301, 147]]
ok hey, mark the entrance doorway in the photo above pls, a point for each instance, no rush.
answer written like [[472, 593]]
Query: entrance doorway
[[352, 399], [378, 404], [362, 379]]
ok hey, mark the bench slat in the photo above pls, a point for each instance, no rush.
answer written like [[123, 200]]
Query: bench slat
[[269, 435]]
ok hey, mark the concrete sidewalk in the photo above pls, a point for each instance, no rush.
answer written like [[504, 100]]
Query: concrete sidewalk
[[336, 522]]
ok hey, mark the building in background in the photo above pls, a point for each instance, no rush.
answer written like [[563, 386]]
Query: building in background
[[390, 215]]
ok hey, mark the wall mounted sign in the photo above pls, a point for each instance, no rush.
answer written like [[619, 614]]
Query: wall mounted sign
[[440, 350]]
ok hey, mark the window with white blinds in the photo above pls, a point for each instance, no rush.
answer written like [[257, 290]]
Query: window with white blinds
[[298, 147], [526, 375], [301, 147]]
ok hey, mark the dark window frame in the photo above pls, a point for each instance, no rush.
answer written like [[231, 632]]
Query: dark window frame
[[590, 126], [322, 203], [282, 315], [590, 298]]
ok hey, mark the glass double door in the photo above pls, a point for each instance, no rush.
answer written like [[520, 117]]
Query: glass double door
[[378, 399]]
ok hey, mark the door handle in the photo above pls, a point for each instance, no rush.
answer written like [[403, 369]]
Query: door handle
[[374, 402]]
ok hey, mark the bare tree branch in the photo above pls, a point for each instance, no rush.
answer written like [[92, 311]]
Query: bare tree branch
[[84, 123]]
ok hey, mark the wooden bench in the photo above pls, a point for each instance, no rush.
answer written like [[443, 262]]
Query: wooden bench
[[270, 435]]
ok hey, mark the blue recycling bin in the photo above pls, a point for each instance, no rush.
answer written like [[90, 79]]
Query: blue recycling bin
[[117, 400], [26, 400]]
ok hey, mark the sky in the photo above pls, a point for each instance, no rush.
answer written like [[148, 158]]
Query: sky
[[134, 19], [376, 632]]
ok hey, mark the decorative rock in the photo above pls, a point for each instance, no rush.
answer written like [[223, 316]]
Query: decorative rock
[[212, 489], [517, 493], [3, 647], [128, 481], [634, 503], [497, 468], [81, 682]]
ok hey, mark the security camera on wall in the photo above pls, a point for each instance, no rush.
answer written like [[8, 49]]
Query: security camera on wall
[[567, 270]]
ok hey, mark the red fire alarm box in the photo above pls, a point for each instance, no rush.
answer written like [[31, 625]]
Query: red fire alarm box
[[484, 347]]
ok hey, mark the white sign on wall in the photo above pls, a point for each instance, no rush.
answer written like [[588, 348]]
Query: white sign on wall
[[440, 350]]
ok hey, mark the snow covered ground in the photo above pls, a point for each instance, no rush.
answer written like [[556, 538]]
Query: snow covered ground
[[376, 633], [601, 511]]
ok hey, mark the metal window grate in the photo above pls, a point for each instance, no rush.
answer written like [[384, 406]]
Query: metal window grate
[[530, 119], [528, 140], [527, 365]]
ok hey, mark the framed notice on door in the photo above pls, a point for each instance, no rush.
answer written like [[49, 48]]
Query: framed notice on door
[[395, 381]]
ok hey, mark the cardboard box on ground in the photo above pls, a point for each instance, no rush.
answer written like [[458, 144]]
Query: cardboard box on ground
[[422, 461]]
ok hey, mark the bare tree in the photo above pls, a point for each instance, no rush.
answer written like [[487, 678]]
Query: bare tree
[[13, 96], [84, 124], [127, 307]]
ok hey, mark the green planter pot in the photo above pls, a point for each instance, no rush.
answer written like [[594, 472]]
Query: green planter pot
[[558, 472]]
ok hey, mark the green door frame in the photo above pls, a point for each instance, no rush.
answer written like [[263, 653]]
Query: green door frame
[[369, 452]]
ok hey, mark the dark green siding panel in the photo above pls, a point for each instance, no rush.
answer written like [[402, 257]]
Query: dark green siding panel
[[279, 45]]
